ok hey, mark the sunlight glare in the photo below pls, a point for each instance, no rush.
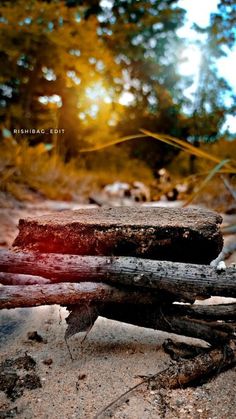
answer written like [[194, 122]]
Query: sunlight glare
[[126, 98], [191, 57], [54, 99], [230, 124], [97, 93], [196, 14]]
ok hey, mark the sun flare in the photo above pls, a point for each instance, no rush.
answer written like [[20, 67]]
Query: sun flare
[[97, 92], [190, 61], [99, 97]]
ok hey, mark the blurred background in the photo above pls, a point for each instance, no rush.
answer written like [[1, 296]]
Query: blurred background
[[110, 100]]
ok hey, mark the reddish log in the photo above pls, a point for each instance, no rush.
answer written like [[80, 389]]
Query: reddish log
[[184, 235]]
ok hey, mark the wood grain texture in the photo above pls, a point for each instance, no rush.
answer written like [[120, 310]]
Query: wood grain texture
[[179, 279], [195, 370], [69, 294], [7, 278], [170, 319]]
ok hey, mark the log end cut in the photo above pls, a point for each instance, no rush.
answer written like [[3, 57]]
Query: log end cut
[[184, 235]]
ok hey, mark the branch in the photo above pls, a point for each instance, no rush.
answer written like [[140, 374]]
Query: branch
[[68, 293], [7, 278], [175, 278], [183, 374], [168, 319]]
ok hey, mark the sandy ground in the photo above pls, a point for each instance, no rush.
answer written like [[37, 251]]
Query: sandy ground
[[110, 361]]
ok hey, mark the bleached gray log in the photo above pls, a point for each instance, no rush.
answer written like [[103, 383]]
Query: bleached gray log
[[184, 235], [174, 278]]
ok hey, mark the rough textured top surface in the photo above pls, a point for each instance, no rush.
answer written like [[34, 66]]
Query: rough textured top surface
[[188, 235]]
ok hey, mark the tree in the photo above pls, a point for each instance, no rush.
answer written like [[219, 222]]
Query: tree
[[142, 36], [49, 56], [213, 98], [223, 23], [218, 98], [76, 65]]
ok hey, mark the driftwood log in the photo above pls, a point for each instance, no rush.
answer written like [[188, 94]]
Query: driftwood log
[[145, 297], [8, 278], [184, 235], [71, 293], [172, 319], [181, 375], [191, 371], [187, 280], [140, 308], [142, 263], [20, 296]]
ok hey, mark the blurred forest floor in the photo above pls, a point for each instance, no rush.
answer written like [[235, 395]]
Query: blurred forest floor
[[30, 174]]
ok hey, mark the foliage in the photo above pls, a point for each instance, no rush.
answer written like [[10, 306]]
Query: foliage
[[224, 165], [47, 175], [223, 24], [69, 64], [48, 51], [214, 98], [54, 179]]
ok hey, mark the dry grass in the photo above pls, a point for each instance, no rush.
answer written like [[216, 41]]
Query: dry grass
[[26, 170]]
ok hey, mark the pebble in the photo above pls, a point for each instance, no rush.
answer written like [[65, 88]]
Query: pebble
[[48, 361], [221, 266], [179, 402]]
